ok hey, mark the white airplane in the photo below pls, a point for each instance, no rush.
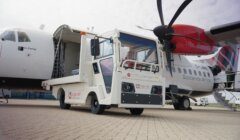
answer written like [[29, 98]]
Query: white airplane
[[27, 57]]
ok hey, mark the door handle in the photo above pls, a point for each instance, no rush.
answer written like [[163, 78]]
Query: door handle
[[95, 68], [20, 48]]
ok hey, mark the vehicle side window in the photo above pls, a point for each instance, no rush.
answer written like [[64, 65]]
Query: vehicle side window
[[9, 35], [106, 48], [22, 37]]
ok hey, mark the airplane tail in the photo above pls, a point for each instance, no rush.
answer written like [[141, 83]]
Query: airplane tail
[[227, 58]]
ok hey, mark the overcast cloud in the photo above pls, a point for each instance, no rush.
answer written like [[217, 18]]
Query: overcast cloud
[[107, 15]]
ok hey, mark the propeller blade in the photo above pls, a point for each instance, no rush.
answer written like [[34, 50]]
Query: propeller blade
[[160, 12], [143, 28], [178, 12], [168, 55], [224, 32]]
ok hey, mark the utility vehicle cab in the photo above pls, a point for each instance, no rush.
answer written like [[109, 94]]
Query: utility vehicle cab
[[115, 69]]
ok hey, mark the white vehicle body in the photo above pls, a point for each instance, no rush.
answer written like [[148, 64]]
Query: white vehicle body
[[118, 76]]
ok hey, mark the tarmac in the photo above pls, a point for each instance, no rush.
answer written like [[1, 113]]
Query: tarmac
[[43, 120]]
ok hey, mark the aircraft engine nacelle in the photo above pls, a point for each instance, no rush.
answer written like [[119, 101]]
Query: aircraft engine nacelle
[[190, 40]]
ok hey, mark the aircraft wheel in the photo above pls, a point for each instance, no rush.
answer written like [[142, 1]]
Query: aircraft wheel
[[176, 106], [136, 111], [63, 105], [96, 108], [185, 103]]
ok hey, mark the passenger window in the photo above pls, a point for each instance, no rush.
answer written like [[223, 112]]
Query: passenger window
[[179, 70], [190, 71], [173, 69], [195, 72], [185, 71], [204, 74], [22, 37], [208, 74], [9, 35], [106, 48], [199, 73]]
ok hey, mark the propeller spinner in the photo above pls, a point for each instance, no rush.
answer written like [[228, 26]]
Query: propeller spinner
[[165, 32]]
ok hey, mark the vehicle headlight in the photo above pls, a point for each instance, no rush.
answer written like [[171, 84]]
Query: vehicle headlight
[[128, 87], [156, 90]]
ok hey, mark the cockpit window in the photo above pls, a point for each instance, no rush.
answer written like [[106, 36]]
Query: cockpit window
[[22, 37], [9, 35], [137, 48]]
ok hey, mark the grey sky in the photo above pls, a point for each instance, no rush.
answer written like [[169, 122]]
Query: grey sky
[[106, 15]]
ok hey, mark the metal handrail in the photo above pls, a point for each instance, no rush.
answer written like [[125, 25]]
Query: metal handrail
[[135, 63]]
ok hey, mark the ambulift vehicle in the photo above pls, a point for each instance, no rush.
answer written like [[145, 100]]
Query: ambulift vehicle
[[116, 69]]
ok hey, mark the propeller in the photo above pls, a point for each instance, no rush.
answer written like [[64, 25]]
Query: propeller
[[143, 28], [165, 32]]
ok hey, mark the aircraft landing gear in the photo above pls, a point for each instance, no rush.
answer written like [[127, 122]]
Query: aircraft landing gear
[[182, 103]]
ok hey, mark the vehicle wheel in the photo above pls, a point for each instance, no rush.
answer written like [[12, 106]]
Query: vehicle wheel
[[6, 97], [185, 103], [63, 105], [136, 111], [176, 106], [96, 108]]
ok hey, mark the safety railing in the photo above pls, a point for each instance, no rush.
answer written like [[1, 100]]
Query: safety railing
[[142, 66], [230, 80]]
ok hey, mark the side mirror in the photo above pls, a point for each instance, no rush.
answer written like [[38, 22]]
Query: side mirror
[[95, 47]]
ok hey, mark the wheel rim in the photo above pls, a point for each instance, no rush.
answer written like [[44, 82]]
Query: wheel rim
[[186, 103], [95, 103]]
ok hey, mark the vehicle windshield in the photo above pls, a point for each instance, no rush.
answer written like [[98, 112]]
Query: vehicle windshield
[[137, 48]]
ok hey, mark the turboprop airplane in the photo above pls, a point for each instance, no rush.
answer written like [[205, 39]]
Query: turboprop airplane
[[185, 78], [27, 57]]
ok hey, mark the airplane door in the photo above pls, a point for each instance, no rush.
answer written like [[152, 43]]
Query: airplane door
[[24, 47]]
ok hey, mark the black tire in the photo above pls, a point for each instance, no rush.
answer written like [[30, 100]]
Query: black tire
[[63, 105], [96, 108], [176, 106], [185, 103], [6, 97], [136, 111]]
